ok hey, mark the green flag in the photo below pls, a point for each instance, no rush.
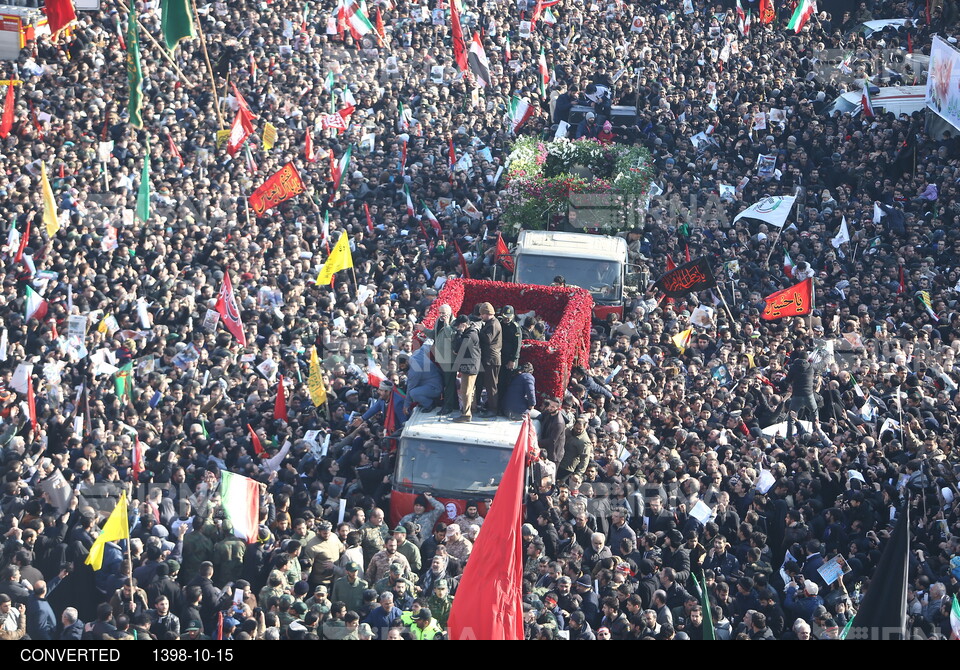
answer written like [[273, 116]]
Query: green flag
[[143, 195], [134, 71], [177, 22], [123, 381], [708, 631]]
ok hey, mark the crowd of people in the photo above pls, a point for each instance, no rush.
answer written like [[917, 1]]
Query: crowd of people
[[617, 545]]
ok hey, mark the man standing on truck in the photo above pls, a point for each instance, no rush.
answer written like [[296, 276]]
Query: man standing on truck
[[443, 335], [512, 341], [466, 348], [491, 344]]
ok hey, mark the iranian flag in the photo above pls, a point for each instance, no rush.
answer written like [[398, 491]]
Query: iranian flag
[[374, 373], [506, 50], [35, 305], [137, 460], [801, 15], [431, 218], [357, 21], [866, 101], [240, 497], [955, 618], [520, 111], [787, 264], [543, 73], [410, 210], [340, 168]]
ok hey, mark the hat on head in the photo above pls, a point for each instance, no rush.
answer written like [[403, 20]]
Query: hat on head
[[486, 308], [424, 614], [590, 116], [399, 529], [585, 581], [508, 310], [353, 567]]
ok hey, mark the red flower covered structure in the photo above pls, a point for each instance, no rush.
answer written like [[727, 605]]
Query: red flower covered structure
[[567, 310]]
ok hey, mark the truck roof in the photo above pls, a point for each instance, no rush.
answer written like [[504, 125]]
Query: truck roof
[[493, 432], [576, 245]]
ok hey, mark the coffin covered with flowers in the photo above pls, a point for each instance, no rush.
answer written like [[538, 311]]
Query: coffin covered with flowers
[[542, 177], [567, 310]]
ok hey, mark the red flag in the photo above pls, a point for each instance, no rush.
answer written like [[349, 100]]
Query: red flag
[[390, 416], [453, 154], [241, 129], [381, 33], [227, 306], [489, 603], [255, 439], [403, 158], [464, 270], [280, 406], [6, 122], [137, 458], [282, 185], [767, 13], [903, 284], [503, 254], [909, 44], [796, 300], [173, 149], [59, 14], [32, 403], [670, 264], [687, 251], [459, 46], [23, 242], [308, 148], [366, 210], [54, 335]]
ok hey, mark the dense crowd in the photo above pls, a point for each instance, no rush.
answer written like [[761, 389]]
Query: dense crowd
[[616, 546]]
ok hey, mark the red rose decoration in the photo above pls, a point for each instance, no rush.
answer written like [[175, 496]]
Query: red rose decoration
[[567, 310]]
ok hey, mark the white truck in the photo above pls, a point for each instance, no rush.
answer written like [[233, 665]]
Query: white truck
[[597, 263]]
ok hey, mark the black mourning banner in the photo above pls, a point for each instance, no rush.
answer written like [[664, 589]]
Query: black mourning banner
[[687, 278]]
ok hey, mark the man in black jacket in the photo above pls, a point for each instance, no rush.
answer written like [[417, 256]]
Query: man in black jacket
[[553, 430], [491, 345], [800, 378], [466, 350]]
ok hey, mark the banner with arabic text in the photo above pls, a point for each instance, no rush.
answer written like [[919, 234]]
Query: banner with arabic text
[[283, 185]]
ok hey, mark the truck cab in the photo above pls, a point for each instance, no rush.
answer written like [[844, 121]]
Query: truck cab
[[597, 263], [456, 462]]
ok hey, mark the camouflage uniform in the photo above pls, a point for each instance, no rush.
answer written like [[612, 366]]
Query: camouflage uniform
[[465, 522], [380, 562], [372, 539], [386, 584], [440, 607], [460, 549]]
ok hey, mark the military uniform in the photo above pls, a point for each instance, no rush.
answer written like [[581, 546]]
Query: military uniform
[[350, 594], [320, 551], [460, 549], [412, 553], [382, 560], [465, 522], [386, 584], [440, 607], [373, 539]]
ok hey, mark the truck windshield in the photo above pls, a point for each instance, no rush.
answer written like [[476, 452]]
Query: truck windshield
[[449, 467], [601, 278]]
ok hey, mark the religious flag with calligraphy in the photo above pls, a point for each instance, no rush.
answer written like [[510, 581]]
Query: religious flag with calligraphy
[[687, 278], [284, 184], [794, 301]]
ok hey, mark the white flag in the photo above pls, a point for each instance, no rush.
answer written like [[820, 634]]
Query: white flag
[[877, 213], [843, 235], [773, 210]]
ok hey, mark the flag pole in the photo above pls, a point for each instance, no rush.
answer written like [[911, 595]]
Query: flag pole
[[163, 50], [773, 245], [206, 56], [726, 306]]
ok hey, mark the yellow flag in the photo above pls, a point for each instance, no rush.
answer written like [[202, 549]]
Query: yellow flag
[[116, 528], [49, 204], [752, 364], [222, 137], [340, 259], [318, 390], [269, 136], [682, 339]]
